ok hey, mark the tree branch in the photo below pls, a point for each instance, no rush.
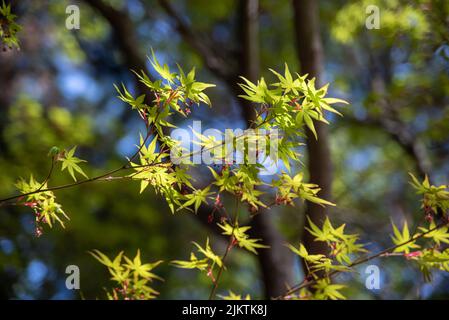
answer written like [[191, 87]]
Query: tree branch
[[384, 252], [310, 54], [397, 130], [214, 60]]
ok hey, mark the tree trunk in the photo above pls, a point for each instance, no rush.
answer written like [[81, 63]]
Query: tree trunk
[[276, 263], [310, 53]]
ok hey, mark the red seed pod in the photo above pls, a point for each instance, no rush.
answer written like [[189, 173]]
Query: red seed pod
[[38, 231], [412, 254], [218, 203], [30, 204], [210, 218], [428, 209], [210, 274], [279, 200], [252, 209]]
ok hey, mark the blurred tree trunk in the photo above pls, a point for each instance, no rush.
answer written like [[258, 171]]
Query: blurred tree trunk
[[276, 263], [310, 53], [123, 28]]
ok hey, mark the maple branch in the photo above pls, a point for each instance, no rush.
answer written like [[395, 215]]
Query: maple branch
[[228, 249], [383, 253]]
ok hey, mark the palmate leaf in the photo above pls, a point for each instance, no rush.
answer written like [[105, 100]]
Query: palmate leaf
[[286, 82], [259, 92], [309, 123], [209, 253], [32, 185], [142, 270], [243, 240], [251, 196], [193, 263], [430, 259], [70, 162], [402, 237], [51, 210], [233, 296], [302, 252], [343, 245], [434, 197], [438, 235], [226, 180], [44, 204], [196, 198], [293, 187], [317, 262], [132, 277], [127, 97], [158, 176], [193, 90], [325, 290], [8, 28], [209, 261], [115, 268], [163, 71], [103, 259]]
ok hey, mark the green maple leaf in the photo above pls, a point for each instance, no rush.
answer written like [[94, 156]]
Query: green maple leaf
[[142, 270], [326, 290], [242, 238], [208, 253], [399, 238], [164, 70], [303, 253], [193, 263], [70, 162], [196, 198], [438, 235], [234, 296]]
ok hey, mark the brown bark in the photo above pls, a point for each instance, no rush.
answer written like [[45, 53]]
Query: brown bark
[[124, 32], [310, 53], [276, 263], [249, 49]]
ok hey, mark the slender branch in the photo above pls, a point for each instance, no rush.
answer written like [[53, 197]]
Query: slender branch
[[228, 249], [77, 183], [402, 135], [384, 253], [49, 173], [214, 59], [125, 166]]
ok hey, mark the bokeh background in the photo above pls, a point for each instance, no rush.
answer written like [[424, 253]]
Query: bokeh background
[[58, 91]]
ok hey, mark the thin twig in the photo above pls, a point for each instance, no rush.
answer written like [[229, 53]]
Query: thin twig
[[123, 167], [228, 249], [49, 173], [383, 253]]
